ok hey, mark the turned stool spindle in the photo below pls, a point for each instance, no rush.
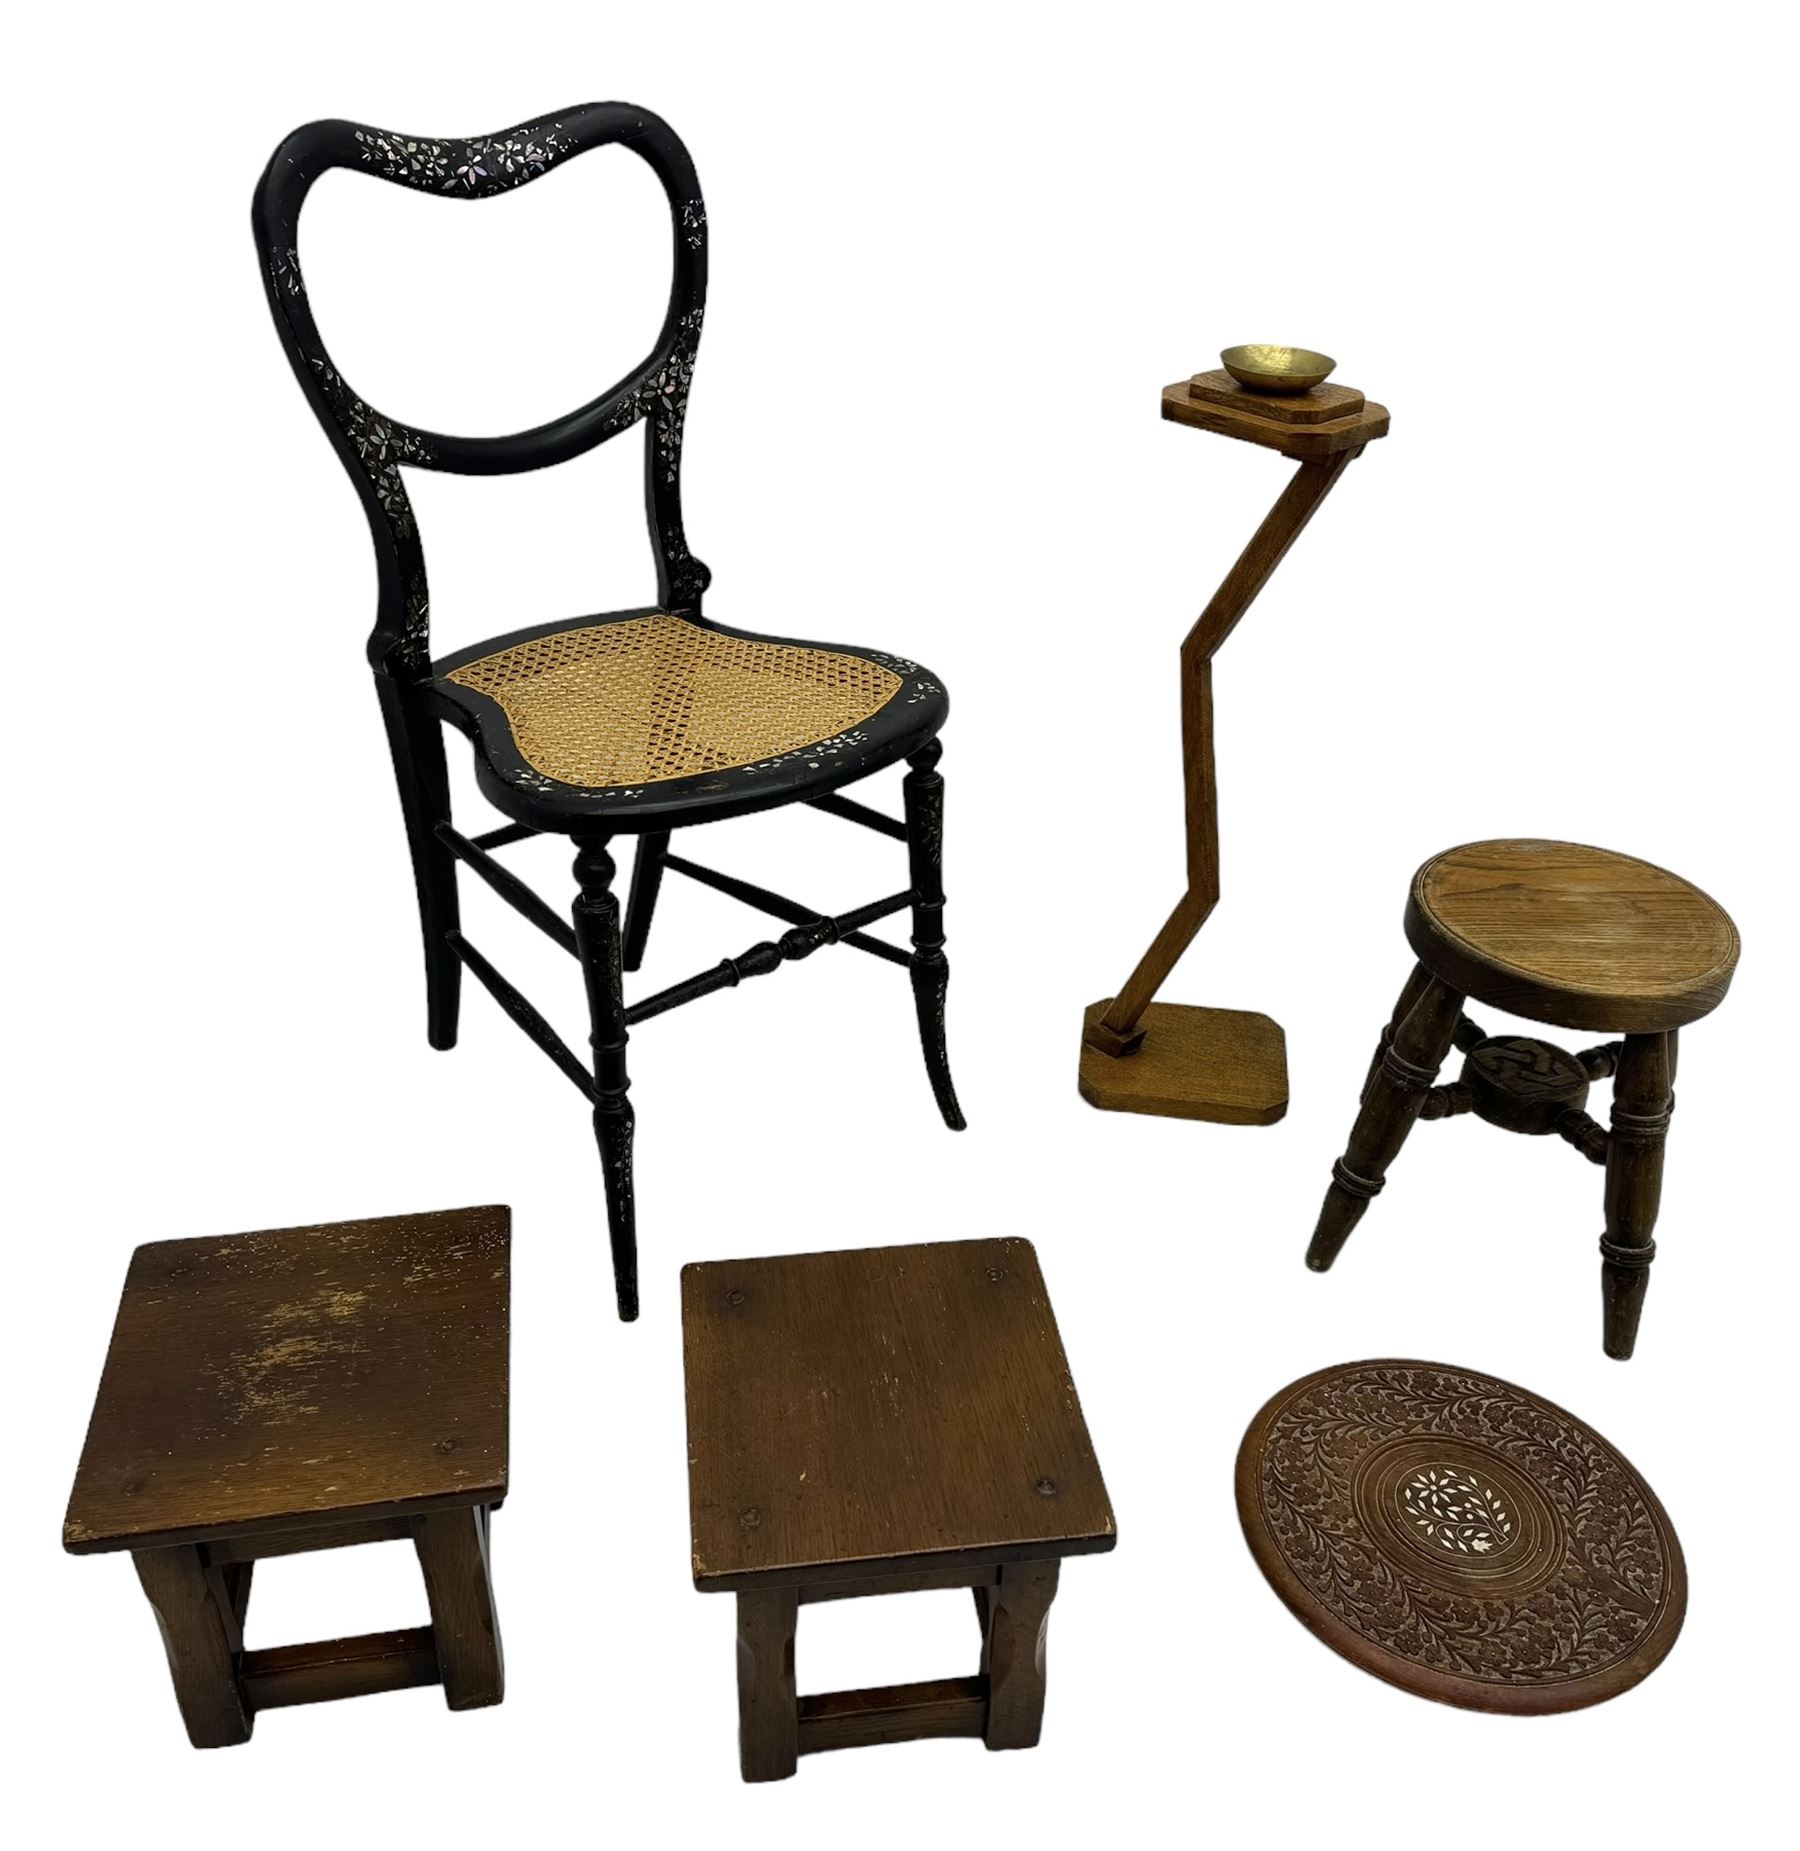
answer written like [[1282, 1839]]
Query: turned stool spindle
[[1565, 934]]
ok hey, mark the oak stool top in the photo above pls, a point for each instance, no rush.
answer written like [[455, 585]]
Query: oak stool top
[[882, 1410], [1460, 1537], [270, 1381], [1573, 935]]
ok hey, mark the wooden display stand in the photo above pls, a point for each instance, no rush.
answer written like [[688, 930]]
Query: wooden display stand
[[1228, 1066]]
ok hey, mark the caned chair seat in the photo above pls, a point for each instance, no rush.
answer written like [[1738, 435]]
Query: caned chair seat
[[1578, 936], [638, 714]]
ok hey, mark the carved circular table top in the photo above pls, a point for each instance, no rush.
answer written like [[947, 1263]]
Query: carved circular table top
[[1460, 1537]]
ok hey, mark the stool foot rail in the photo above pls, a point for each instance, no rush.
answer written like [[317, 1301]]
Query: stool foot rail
[[924, 1711], [288, 1674]]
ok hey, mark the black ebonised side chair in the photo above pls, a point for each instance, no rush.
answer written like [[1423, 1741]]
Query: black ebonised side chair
[[634, 722]]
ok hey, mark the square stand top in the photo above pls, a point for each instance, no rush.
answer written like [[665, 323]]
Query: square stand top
[[260, 1382], [881, 1411], [1309, 427]]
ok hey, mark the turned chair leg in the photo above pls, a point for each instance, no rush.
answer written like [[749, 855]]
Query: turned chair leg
[[597, 941], [646, 883], [1405, 1068], [1015, 1618], [1642, 1101], [416, 743], [453, 1555], [768, 1703], [202, 1635], [923, 788]]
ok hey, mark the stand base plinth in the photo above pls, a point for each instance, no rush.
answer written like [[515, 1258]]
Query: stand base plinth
[[1227, 1066]]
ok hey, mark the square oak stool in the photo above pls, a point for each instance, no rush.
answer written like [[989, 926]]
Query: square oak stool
[[879, 1422], [1565, 934], [269, 1394]]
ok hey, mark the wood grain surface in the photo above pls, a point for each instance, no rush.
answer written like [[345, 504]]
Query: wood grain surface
[[926, 1711], [330, 1670], [881, 1410], [1304, 442], [1321, 405], [274, 1380], [202, 1634], [1573, 935], [1226, 1066]]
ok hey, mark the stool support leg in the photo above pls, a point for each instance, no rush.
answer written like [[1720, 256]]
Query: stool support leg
[[1016, 1618], [1642, 1101], [453, 1555], [198, 1630], [1416, 986], [597, 941], [768, 1701], [1392, 1100]]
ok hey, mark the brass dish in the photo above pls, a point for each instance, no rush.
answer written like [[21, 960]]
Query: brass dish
[[1278, 369]]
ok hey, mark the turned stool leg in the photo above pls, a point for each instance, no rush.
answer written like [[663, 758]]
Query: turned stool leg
[[1642, 1102], [201, 1636], [768, 1703], [1396, 1088], [1016, 1617], [453, 1553], [1416, 986]]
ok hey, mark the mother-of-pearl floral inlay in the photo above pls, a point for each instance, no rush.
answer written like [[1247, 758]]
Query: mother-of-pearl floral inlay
[[1453, 1509]]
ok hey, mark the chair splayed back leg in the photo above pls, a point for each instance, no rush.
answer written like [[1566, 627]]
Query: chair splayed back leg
[[628, 723], [417, 744]]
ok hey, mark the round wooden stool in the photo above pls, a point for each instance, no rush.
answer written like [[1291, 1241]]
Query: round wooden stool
[[1575, 936], [1460, 1537]]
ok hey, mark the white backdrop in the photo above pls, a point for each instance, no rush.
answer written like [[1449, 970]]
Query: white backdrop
[[956, 254]]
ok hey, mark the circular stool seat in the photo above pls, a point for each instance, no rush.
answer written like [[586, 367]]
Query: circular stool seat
[[1572, 935]]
